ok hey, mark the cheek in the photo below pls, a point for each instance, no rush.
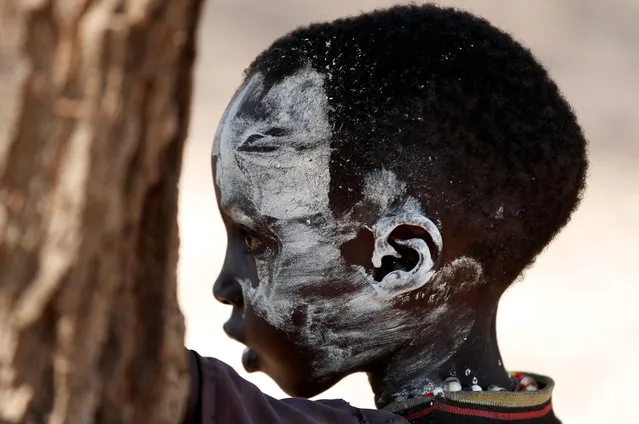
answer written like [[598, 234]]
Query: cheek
[[262, 270], [309, 291], [306, 299], [308, 256], [271, 298]]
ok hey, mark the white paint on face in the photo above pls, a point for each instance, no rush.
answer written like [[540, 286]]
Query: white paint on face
[[282, 176], [382, 187], [272, 154], [279, 163]]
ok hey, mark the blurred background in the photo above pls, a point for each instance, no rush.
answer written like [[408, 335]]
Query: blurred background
[[575, 315]]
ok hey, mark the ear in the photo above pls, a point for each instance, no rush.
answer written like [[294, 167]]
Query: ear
[[407, 246]]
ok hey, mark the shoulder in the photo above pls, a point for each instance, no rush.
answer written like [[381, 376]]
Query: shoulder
[[225, 397]]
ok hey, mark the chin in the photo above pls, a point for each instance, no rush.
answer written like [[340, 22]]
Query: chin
[[304, 387]]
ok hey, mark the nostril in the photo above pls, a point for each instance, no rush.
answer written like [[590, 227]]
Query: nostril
[[238, 300], [228, 292], [232, 299]]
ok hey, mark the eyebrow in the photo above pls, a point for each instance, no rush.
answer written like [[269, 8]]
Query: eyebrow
[[241, 218], [252, 144], [255, 142]]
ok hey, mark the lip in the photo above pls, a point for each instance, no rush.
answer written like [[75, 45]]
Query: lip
[[249, 357], [233, 331]]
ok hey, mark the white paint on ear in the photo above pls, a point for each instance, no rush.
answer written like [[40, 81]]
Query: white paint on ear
[[399, 281]]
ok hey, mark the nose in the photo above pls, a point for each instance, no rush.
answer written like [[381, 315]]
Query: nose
[[227, 290]]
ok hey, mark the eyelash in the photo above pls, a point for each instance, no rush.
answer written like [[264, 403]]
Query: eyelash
[[253, 245]]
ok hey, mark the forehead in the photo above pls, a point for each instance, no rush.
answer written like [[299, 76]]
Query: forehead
[[271, 152]]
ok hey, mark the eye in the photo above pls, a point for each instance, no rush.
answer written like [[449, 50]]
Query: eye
[[253, 244]]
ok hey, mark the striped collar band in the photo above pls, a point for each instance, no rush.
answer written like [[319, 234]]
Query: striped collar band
[[503, 406]]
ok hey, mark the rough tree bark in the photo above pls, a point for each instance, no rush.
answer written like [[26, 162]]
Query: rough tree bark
[[95, 104]]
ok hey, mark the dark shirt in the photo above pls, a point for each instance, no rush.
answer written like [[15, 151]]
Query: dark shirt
[[220, 396]]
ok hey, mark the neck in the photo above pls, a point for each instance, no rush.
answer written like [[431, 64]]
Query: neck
[[419, 369]]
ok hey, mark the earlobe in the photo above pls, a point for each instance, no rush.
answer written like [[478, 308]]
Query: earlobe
[[407, 246]]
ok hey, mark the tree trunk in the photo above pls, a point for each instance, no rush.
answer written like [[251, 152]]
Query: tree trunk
[[95, 105]]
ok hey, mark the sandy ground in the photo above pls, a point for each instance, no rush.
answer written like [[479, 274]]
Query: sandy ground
[[574, 316]]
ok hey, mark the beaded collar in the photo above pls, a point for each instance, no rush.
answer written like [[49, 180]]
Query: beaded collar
[[532, 399]]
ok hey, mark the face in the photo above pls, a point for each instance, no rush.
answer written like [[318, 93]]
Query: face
[[300, 279]]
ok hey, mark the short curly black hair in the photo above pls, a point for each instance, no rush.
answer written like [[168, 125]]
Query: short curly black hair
[[459, 111]]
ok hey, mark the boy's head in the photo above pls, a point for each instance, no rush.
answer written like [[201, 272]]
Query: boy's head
[[383, 179]]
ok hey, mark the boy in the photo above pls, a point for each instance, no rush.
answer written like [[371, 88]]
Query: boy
[[383, 179]]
